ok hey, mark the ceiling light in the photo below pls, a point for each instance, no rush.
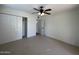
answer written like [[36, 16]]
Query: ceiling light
[[39, 13], [42, 14]]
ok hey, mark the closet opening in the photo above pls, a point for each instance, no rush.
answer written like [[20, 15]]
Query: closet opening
[[24, 27]]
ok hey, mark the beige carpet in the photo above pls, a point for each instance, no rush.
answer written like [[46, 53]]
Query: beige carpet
[[38, 46]]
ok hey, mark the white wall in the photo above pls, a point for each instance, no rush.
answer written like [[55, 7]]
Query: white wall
[[63, 26], [11, 25]]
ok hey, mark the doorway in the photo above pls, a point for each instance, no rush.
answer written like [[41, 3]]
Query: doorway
[[24, 27], [38, 26]]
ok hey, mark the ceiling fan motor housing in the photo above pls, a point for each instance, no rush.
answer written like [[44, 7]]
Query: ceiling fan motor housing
[[41, 11]]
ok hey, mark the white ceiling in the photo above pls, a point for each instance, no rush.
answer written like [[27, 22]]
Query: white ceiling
[[29, 7]]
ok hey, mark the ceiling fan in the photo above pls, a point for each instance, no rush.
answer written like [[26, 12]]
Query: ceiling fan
[[41, 11]]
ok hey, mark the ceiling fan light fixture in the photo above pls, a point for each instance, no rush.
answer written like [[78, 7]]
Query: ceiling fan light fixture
[[42, 14], [39, 13]]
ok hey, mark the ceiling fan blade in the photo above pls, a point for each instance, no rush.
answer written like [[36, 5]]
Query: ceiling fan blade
[[47, 13], [48, 9], [36, 9]]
